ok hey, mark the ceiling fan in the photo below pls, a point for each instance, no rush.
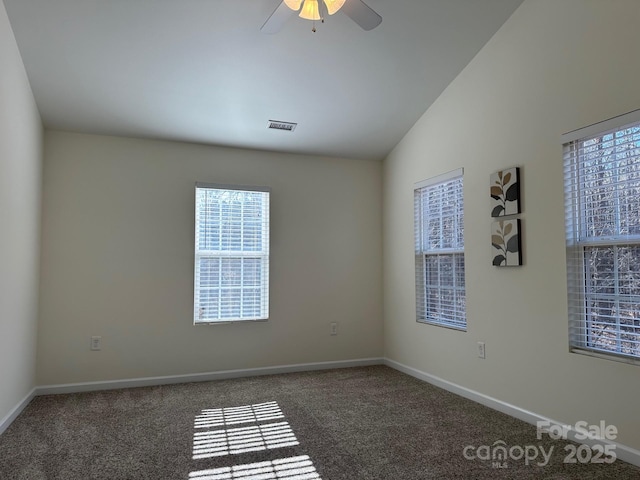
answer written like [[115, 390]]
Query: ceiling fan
[[357, 10]]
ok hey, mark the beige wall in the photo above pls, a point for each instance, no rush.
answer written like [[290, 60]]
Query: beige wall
[[118, 233], [20, 166], [553, 67]]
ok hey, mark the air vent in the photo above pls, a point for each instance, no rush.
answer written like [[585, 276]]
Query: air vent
[[287, 126]]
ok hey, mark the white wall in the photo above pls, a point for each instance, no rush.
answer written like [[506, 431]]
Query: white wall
[[553, 67], [118, 233], [20, 167]]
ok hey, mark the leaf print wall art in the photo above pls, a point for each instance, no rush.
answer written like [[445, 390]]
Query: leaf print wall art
[[505, 243], [505, 192]]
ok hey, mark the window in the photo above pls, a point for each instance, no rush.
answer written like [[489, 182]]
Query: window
[[231, 254], [439, 251], [602, 190]]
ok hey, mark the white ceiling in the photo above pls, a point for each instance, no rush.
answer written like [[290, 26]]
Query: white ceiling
[[201, 70]]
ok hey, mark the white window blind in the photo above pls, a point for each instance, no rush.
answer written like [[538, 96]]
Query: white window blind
[[602, 205], [231, 254], [439, 251]]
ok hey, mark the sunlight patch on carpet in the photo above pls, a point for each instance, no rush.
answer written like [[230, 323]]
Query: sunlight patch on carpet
[[216, 417], [264, 435], [217, 443], [292, 468]]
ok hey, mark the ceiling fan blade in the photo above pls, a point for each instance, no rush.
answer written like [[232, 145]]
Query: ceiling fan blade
[[362, 14], [276, 21]]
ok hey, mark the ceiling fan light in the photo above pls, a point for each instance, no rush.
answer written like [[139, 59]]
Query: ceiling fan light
[[310, 10], [333, 5], [293, 4]]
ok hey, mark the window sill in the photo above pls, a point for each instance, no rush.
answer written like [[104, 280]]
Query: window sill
[[444, 325], [606, 356], [230, 322]]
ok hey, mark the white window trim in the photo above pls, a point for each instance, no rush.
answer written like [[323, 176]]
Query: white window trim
[[439, 179], [602, 127], [575, 259], [265, 271]]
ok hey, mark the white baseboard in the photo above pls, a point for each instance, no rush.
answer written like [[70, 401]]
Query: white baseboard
[[202, 377], [623, 452], [17, 410]]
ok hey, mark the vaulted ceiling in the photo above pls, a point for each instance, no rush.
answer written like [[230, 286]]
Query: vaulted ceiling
[[202, 71]]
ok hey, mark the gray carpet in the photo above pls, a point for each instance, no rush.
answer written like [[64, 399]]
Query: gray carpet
[[353, 423]]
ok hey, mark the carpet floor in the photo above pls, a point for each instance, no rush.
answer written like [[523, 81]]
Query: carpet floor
[[353, 424]]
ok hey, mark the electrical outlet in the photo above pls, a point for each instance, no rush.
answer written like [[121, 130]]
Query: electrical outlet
[[333, 328], [481, 350], [96, 343]]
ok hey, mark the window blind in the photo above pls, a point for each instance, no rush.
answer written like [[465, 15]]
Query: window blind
[[602, 211], [439, 251], [231, 254]]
